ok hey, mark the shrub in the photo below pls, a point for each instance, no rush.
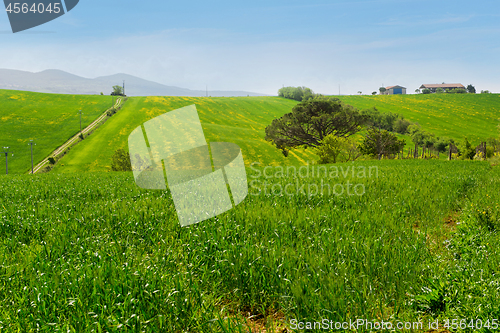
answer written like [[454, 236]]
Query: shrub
[[111, 112], [457, 91], [426, 91], [421, 137], [335, 149], [493, 146], [401, 125], [441, 144], [467, 151], [490, 152], [382, 120], [121, 161], [378, 142]]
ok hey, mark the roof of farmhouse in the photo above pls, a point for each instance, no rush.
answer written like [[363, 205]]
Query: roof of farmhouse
[[443, 85], [394, 87]]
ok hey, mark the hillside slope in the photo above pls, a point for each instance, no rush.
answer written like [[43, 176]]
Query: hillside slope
[[239, 120], [243, 120], [49, 119], [452, 115]]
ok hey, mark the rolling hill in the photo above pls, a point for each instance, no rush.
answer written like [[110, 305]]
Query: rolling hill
[[95, 250], [240, 120], [452, 115], [243, 120], [49, 119]]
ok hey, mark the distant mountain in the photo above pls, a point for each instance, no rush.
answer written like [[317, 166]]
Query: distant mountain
[[57, 81]]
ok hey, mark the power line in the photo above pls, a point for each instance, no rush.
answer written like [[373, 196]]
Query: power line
[[6, 152], [31, 143], [80, 112]]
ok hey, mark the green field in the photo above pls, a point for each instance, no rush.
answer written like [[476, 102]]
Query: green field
[[453, 115], [49, 119], [243, 121], [94, 253], [239, 120], [391, 240]]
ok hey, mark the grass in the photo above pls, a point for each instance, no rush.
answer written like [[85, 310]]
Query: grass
[[415, 240], [239, 120], [49, 119], [243, 121], [92, 252], [450, 115]]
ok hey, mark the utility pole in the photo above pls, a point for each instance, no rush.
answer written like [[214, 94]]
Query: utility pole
[[31, 143], [80, 112], [6, 152]]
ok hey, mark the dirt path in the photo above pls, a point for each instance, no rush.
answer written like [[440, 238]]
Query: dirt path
[[74, 139]]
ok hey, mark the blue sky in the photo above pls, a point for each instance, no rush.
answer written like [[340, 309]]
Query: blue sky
[[260, 46]]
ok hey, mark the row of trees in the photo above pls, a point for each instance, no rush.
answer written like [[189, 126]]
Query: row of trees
[[388, 121], [328, 125], [297, 93], [303, 93], [470, 89]]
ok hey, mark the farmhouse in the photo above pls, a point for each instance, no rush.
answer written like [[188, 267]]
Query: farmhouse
[[394, 90], [444, 86]]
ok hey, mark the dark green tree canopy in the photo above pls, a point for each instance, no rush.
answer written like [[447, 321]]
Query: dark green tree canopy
[[311, 121], [121, 161], [117, 91], [296, 93], [471, 89], [379, 142]]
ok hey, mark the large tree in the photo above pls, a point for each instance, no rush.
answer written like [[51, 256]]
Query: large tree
[[117, 91], [378, 142], [471, 89], [311, 121]]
